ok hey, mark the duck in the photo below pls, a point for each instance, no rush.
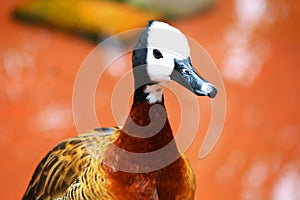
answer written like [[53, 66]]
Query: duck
[[138, 160]]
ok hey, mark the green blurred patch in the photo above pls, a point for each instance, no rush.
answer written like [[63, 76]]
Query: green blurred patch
[[172, 9], [91, 18], [97, 19]]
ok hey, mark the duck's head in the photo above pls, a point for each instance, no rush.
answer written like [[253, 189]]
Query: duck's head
[[162, 54]]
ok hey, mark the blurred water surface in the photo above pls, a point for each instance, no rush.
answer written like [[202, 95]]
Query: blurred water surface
[[256, 46]]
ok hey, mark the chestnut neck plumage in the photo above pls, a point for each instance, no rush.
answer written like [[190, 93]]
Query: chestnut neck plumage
[[147, 127]]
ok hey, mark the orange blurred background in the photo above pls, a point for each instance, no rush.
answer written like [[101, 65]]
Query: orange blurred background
[[256, 46]]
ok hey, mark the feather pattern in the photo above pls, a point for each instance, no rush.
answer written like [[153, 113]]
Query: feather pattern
[[74, 169], [69, 165]]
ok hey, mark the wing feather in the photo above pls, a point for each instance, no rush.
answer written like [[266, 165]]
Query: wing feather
[[66, 162]]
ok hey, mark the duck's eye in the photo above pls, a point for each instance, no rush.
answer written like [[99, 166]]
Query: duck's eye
[[157, 54]]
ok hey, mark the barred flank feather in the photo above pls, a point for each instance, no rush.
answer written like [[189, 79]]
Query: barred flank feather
[[71, 167]]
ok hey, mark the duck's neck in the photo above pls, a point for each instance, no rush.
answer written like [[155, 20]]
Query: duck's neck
[[147, 127]]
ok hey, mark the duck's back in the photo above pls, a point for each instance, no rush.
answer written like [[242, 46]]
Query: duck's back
[[68, 164]]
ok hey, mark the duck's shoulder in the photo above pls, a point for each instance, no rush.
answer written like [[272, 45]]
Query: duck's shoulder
[[67, 161]]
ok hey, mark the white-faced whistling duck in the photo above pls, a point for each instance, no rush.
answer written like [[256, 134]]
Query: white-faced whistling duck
[[118, 163]]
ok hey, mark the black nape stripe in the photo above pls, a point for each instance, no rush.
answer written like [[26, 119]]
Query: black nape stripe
[[139, 56], [139, 94], [139, 64]]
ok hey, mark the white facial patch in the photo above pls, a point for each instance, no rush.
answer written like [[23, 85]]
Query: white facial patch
[[171, 43]]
